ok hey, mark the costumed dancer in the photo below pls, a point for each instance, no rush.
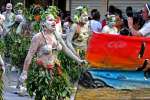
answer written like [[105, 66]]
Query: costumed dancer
[[8, 24], [46, 73], [77, 40], [79, 34]]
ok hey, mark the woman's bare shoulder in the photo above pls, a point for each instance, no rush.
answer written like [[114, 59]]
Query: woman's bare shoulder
[[37, 37]]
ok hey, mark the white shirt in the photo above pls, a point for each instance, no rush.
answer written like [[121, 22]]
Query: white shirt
[[145, 30], [95, 26]]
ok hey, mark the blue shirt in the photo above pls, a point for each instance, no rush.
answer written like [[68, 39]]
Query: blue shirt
[[95, 26]]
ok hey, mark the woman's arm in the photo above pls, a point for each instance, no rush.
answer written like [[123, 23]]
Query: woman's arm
[[69, 38], [33, 48], [130, 25], [2, 64], [65, 48]]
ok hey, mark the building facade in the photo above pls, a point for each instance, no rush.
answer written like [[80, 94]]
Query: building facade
[[70, 5], [102, 5]]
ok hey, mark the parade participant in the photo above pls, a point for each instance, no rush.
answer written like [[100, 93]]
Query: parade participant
[[45, 45], [19, 18], [77, 40], [80, 32], [66, 26], [8, 24], [145, 30], [2, 30], [110, 28], [9, 17]]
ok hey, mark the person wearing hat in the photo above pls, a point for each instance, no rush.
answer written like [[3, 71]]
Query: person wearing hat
[[9, 17], [145, 30]]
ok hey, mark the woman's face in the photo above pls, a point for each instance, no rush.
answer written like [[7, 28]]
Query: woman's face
[[84, 17], [111, 20], [50, 23], [19, 11]]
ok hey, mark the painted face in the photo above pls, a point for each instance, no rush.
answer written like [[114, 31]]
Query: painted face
[[66, 25], [9, 7], [50, 23], [19, 11], [111, 20], [84, 17]]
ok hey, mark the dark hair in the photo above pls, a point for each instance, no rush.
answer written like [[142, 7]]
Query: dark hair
[[129, 11], [68, 19], [92, 11], [112, 10], [118, 12], [125, 31], [137, 18], [96, 15]]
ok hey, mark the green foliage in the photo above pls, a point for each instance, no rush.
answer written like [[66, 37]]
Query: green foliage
[[52, 10], [1, 85], [2, 46], [79, 10], [71, 66], [45, 87], [21, 44], [19, 6]]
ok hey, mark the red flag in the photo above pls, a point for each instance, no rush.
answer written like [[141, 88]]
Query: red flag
[[117, 51]]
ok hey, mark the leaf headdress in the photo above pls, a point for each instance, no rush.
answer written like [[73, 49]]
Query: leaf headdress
[[19, 6], [78, 11], [50, 11]]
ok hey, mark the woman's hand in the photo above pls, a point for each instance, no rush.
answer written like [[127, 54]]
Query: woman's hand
[[23, 76]]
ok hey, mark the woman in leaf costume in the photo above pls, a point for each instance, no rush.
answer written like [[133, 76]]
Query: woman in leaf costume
[[78, 36], [77, 42], [19, 18], [45, 78], [2, 68], [18, 39], [8, 23], [79, 33]]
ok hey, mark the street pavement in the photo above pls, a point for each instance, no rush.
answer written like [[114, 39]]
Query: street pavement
[[10, 81]]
